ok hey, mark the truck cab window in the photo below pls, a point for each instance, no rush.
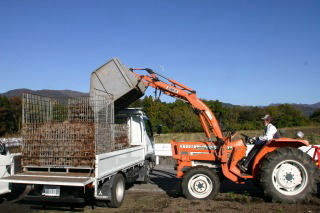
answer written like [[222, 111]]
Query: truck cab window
[[148, 128], [120, 120]]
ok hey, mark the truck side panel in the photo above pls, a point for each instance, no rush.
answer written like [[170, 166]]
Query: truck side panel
[[109, 163], [4, 164]]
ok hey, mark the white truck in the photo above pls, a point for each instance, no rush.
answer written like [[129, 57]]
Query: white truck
[[79, 149], [5, 162]]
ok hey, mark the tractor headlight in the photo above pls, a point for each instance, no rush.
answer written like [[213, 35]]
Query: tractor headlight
[[300, 134]]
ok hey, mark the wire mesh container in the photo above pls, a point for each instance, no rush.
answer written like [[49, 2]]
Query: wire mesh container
[[69, 132]]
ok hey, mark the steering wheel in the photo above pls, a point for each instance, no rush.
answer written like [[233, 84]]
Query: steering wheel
[[247, 139]]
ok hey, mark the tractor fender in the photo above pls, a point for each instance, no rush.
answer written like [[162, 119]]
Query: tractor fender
[[272, 145]]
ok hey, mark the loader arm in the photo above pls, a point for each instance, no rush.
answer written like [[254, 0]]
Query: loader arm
[[177, 90]]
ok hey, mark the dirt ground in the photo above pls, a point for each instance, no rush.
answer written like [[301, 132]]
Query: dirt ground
[[163, 194], [136, 202], [225, 202]]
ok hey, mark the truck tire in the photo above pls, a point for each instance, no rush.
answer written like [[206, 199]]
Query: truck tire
[[200, 183], [288, 175], [117, 192], [101, 203], [147, 170], [152, 164]]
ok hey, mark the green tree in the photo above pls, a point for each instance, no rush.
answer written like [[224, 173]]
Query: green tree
[[285, 115], [249, 118], [231, 117], [179, 117], [216, 107], [316, 116], [16, 110], [183, 118], [5, 115]]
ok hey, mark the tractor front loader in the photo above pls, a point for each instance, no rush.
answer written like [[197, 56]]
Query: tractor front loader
[[280, 169]]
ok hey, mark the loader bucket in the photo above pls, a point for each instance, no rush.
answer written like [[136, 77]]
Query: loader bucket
[[115, 79]]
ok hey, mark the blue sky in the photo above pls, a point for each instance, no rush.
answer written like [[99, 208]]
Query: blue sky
[[239, 52]]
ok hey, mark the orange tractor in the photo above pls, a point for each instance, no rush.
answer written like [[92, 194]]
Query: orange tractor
[[279, 168], [316, 155]]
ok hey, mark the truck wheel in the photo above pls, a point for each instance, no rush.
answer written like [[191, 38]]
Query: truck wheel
[[147, 170], [288, 175], [151, 165], [200, 183], [101, 203], [117, 192]]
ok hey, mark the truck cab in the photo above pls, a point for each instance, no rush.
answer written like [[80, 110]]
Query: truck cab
[[140, 130], [5, 161]]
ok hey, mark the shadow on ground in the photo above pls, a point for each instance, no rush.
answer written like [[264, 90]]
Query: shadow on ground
[[162, 179], [167, 181]]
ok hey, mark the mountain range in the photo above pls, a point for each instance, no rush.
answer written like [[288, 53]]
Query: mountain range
[[45, 92], [307, 109]]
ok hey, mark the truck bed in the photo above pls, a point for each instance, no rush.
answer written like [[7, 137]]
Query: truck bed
[[106, 165], [62, 179]]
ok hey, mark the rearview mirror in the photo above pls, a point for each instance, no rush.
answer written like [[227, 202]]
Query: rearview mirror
[[2, 148], [159, 129]]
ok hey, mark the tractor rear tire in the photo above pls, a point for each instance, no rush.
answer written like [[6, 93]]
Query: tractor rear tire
[[200, 183], [288, 175]]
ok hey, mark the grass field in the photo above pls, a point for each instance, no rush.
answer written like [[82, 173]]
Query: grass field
[[311, 133]]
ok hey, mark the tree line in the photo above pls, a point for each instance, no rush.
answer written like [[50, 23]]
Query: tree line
[[10, 115], [179, 117]]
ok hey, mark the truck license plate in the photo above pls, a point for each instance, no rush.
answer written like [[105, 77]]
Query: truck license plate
[[53, 191]]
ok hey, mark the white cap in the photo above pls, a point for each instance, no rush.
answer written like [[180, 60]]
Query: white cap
[[266, 117]]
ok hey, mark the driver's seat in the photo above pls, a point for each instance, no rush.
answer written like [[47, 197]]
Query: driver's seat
[[244, 163]]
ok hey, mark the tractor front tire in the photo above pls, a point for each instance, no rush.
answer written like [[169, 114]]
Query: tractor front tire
[[288, 175], [200, 183]]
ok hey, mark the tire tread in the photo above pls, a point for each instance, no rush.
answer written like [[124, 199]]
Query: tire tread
[[266, 170]]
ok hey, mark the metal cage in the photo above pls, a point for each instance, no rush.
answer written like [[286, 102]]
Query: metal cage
[[69, 132]]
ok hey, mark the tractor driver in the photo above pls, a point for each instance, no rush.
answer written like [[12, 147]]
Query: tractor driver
[[270, 133]]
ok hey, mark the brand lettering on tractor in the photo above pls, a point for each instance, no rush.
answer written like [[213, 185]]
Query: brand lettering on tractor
[[172, 89], [187, 146], [201, 147]]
